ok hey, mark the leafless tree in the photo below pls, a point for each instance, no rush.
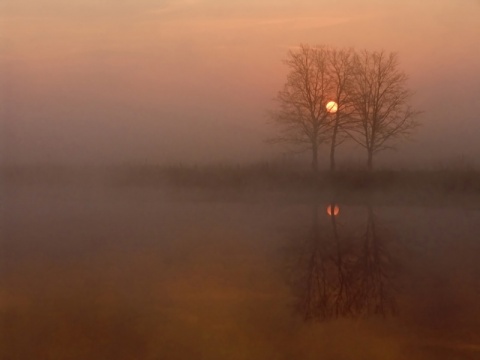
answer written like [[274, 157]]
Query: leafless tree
[[342, 71], [302, 116], [380, 98]]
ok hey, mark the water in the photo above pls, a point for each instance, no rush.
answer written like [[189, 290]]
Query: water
[[124, 273]]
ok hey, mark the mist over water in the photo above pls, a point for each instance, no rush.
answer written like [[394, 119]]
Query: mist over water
[[120, 272]]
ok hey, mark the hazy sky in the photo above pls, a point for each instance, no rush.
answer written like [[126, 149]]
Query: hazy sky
[[191, 80]]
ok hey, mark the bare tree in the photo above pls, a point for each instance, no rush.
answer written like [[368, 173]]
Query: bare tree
[[370, 94], [341, 69], [301, 115], [381, 102]]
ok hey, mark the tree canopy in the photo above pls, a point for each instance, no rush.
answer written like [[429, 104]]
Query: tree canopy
[[369, 91]]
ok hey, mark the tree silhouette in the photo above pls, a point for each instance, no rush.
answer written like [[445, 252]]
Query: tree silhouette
[[302, 116], [381, 103], [342, 69], [369, 89]]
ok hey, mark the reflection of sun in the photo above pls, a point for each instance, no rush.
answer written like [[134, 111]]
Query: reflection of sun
[[333, 210], [332, 107]]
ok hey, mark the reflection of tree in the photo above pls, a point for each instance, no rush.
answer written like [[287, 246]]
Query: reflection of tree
[[373, 269], [344, 276], [314, 297]]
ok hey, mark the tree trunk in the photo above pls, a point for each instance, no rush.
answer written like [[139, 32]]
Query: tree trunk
[[332, 158], [315, 159], [370, 160], [332, 148]]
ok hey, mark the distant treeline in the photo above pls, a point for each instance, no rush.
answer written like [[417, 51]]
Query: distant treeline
[[261, 176], [270, 175]]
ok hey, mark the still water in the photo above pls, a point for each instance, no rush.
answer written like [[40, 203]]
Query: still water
[[99, 273]]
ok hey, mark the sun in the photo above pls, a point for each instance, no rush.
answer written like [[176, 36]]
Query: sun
[[332, 107]]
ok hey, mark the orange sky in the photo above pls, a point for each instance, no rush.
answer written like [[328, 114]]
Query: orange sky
[[191, 80]]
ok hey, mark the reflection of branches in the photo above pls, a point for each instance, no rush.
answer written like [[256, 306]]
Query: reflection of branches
[[324, 290], [314, 293], [373, 272], [341, 260], [346, 276]]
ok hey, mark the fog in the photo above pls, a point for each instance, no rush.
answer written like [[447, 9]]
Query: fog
[[143, 214], [122, 272], [89, 82]]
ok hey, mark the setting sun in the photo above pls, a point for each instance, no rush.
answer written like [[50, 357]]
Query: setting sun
[[332, 107]]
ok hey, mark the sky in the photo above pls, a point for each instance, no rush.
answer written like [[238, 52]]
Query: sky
[[191, 81]]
